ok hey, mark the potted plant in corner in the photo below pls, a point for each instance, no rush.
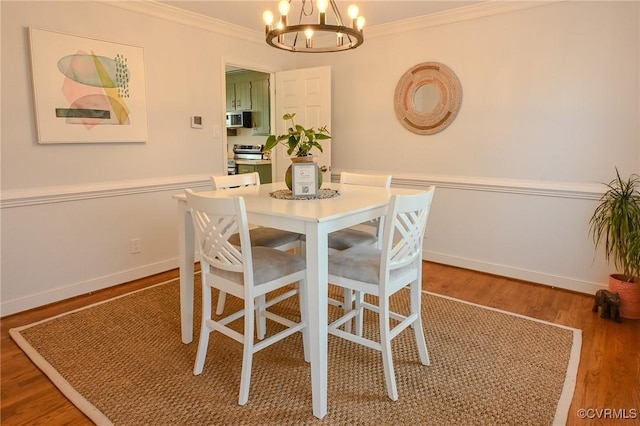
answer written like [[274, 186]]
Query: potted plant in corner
[[616, 222], [299, 142]]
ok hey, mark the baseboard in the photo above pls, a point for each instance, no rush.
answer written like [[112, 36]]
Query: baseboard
[[57, 294], [519, 274], [72, 290]]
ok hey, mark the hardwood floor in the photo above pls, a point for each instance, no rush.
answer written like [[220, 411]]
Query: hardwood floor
[[608, 382]]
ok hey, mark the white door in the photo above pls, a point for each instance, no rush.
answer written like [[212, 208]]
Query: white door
[[307, 93]]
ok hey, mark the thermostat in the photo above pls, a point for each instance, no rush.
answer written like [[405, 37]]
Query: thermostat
[[196, 122]]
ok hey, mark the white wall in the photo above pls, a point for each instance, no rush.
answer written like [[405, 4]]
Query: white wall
[[550, 106], [70, 211]]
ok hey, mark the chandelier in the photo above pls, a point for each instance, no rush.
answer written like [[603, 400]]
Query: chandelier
[[338, 36]]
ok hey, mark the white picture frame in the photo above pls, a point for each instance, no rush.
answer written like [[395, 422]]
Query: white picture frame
[[87, 90], [304, 179]]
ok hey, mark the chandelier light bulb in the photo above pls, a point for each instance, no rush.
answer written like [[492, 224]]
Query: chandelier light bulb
[[267, 16], [284, 7], [322, 11], [322, 5], [280, 26], [309, 33], [353, 11], [360, 22]]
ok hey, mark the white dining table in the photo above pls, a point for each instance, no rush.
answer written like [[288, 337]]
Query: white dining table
[[315, 218]]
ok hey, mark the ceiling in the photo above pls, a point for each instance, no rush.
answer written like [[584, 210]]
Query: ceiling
[[247, 13]]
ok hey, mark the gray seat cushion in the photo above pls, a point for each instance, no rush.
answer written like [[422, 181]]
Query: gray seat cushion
[[361, 263], [268, 264], [346, 238], [267, 237], [357, 263]]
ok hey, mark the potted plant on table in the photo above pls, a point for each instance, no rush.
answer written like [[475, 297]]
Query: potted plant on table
[[616, 222], [299, 142]]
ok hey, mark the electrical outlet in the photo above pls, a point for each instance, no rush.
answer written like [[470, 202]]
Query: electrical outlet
[[135, 245]]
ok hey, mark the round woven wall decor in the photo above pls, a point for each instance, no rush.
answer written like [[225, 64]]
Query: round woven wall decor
[[446, 107]]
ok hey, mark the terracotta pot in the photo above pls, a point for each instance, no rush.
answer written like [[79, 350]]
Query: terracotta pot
[[288, 177], [629, 295]]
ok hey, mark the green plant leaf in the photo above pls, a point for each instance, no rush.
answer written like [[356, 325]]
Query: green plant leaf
[[616, 223], [270, 143], [298, 140]]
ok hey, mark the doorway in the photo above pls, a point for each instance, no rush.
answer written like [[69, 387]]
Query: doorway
[[307, 92], [247, 94]]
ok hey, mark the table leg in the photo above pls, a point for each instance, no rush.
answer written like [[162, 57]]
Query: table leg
[[186, 244], [317, 277]]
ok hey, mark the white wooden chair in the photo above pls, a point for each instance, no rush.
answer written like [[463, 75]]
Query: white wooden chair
[[260, 236], [350, 237], [245, 271], [382, 272], [346, 238]]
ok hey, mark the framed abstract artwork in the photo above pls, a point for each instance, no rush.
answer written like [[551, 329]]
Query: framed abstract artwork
[[87, 90]]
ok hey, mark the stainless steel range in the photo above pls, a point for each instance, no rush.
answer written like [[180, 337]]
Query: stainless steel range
[[231, 166], [247, 152]]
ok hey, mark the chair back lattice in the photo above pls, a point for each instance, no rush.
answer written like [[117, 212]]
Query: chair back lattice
[[215, 220], [404, 230], [234, 181]]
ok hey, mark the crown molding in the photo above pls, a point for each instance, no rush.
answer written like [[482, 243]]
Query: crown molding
[[464, 13], [185, 17]]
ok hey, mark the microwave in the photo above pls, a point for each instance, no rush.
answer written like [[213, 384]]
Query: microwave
[[236, 119]]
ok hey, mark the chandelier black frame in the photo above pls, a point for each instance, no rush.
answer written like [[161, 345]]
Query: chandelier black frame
[[346, 37]]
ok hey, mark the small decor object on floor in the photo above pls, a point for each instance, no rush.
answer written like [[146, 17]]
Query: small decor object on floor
[[609, 304]]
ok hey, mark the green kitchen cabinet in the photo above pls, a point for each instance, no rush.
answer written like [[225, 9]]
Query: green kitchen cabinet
[[250, 90], [264, 170]]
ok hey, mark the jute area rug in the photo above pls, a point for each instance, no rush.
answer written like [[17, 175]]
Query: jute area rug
[[122, 362]]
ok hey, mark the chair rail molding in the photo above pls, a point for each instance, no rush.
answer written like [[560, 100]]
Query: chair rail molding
[[583, 191], [59, 194]]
